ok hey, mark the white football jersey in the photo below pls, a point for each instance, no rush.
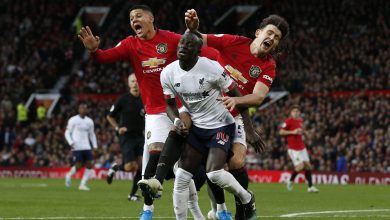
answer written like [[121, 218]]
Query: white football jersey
[[198, 90], [79, 132]]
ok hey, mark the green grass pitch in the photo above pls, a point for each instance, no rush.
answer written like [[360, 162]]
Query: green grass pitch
[[49, 199]]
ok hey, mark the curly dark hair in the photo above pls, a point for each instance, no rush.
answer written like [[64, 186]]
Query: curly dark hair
[[278, 21]]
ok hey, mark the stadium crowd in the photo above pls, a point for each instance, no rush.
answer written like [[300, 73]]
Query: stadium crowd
[[333, 46]]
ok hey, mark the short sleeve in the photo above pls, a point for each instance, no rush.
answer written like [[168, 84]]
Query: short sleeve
[[284, 125], [115, 108], [166, 84], [220, 41], [268, 75], [223, 79]]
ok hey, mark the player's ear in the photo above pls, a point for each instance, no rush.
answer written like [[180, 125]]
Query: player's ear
[[257, 33], [151, 17]]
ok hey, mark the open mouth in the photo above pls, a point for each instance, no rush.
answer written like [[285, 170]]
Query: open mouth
[[137, 28], [267, 44]]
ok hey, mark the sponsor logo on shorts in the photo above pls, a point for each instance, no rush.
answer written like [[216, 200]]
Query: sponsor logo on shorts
[[148, 135], [162, 48], [222, 138]]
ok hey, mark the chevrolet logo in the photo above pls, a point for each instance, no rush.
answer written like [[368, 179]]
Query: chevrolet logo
[[153, 62], [237, 75]]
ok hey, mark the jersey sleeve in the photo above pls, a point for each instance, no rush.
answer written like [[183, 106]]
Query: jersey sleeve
[[116, 108], [285, 125], [166, 84], [92, 135], [210, 53], [117, 53], [268, 75], [221, 41], [222, 78], [69, 131]]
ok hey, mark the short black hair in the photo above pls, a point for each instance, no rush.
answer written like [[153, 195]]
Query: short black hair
[[143, 7], [294, 106], [278, 21]]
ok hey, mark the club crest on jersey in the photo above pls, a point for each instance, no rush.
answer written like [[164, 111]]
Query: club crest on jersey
[[162, 48], [254, 71]]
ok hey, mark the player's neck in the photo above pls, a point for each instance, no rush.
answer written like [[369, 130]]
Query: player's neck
[[187, 65], [150, 35], [134, 92], [82, 116]]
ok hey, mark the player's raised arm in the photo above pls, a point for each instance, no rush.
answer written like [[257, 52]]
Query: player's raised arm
[[192, 22], [91, 42]]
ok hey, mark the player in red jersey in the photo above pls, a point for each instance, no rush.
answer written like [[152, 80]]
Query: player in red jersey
[[149, 51], [250, 63], [292, 128]]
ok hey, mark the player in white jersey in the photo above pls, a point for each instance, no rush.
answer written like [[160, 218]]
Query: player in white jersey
[[198, 82], [80, 132]]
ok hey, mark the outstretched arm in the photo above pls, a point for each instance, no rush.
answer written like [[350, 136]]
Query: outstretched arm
[[255, 99], [91, 43], [253, 137]]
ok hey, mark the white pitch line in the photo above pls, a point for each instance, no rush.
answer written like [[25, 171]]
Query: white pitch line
[[333, 212]]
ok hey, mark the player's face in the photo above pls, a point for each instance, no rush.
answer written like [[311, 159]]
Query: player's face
[[295, 113], [83, 110], [133, 84], [188, 47], [141, 22], [267, 39]]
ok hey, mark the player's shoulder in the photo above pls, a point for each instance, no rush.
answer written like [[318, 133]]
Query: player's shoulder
[[73, 118], [169, 68], [207, 61], [269, 61], [89, 119]]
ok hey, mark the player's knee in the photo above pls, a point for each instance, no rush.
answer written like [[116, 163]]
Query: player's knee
[[299, 167], [155, 147], [131, 167], [308, 166], [236, 162], [215, 176]]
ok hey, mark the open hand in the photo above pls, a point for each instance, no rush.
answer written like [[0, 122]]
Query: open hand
[[90, 42]]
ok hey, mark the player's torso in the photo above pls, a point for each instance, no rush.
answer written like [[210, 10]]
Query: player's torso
[[82, 125], [242, 66], [295, 123], [132, 112], [198, 92], [151, 57]]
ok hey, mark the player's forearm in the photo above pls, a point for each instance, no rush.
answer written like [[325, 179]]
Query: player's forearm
[[249, 100], [107, 56], [68, 137], [112, 121], [172, 110], [93, 140], [283, 132]]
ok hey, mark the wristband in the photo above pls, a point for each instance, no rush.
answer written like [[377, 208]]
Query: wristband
[[177, 122]]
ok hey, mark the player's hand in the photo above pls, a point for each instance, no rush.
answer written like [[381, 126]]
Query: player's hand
[[298, 131], [191, 19], [122, 130], [90, 41], [95, 153], [229, 102], [181, 129], [255, 140]]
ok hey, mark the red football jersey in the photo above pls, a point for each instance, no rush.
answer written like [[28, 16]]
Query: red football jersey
[[294, 142], [245, 69], [241, 65], [148, 58]]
